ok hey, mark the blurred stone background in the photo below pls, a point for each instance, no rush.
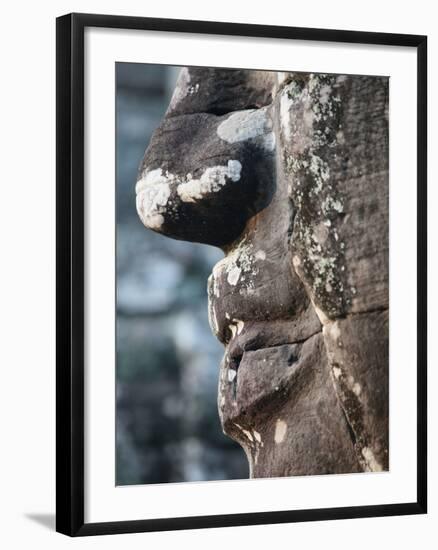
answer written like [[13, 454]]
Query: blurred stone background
[[167, 425]]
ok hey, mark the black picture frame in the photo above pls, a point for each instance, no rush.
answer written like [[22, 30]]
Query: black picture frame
[[70, 273]]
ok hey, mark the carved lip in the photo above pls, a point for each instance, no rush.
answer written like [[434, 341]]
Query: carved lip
[[263, 336], [254, 341]]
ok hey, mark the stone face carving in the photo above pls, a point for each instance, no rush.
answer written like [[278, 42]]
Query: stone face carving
[[288, 174]]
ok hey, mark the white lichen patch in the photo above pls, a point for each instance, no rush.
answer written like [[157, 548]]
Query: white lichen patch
[[348, 381], [236, 327], [239, 324], [153, 178], [154, 189], [324, 94], [321, 232], [233, 275], [257, 436], [212, 180], [246, 432], [310, 122], [320, 171], [280, 431], [337, 372], [231, 375], [152, 221], [153, 192], [286, 103], [260, 255], [330, 205], [239, 266], [324, 267], [370, 460], [321, 260], [248, 125]]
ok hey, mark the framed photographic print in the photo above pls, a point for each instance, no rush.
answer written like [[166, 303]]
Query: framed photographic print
[[241, 274]]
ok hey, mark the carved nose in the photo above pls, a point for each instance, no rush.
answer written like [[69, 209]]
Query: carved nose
[[203, 175], [202, 179]]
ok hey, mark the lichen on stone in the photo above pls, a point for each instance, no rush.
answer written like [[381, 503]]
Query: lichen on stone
[[212, 180], [153, 192], [313, 124], [250, 124], [238, 266]]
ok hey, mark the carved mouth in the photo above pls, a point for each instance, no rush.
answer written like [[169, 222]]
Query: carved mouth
[[284, 355], [254, 339], [235, 359], [265, 353]]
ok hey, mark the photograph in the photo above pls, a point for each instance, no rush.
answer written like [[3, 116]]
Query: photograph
[[216, 278], [252, 273]]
